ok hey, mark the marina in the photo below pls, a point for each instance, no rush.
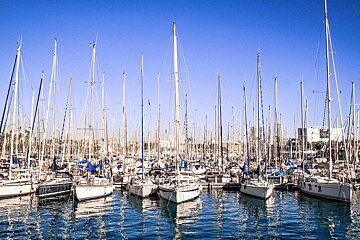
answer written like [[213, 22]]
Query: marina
[[140, 156]]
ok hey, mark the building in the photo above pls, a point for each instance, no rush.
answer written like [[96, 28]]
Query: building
[[320, 134]]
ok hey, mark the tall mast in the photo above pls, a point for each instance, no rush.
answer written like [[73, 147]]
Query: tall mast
[[104, 114], [186, 129], [221, 161], [33, 119], [158, 117], [276, 132], [205, 138], [48, 104], [18, 53], [54, 107], [258, 109], [91, 127], [328, 84], [30, 134], [7, 101], [269, 136], [69, 125], [232, 129], [302, 124], [354, 119], [142, 114], [124, 145], [216, 143], [177, 103], [246, 132]]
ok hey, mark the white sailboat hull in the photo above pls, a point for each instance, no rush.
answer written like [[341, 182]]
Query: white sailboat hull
[[330, 190], [142, 189], [262, 190], [222, 178], [179, 194], [12, 188], [87, 192]]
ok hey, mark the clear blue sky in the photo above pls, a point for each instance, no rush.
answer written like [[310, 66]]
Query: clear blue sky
[[216, 37]]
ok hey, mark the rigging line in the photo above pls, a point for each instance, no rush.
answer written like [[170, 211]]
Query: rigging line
[[66, 109], [8, 105], [262, 115], [186, 67], [338, 95], [316, 66]]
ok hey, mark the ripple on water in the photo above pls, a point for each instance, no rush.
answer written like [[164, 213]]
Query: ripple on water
[[214, 215]]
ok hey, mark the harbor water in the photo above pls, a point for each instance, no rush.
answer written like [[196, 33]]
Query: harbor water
[[214, 215]]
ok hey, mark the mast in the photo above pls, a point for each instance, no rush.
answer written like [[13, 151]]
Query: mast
[[91, 127], [158, 113], [34, 113], [7, 100], [48, 104], [104, 114], [124, 145], [186, 129], [205, 139], [302, 125], [177, 103], [354, 120], [221, 161], [18, 53], [142, 115], [328, 84], [258, 109], [232, 129], [276, 129], [269, 136], [69, 142], [246, 133], [54, 108], [194, 137], [30, 134], [216, 143]]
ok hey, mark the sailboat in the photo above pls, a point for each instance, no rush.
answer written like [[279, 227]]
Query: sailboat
[[92, 186], [182, 186], [326, 187], [255, 187], [55, 182], [142, 187], [19, 182]]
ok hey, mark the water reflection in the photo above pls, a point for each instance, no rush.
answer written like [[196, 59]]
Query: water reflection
[[93, 208], [256, 216], [183, 215], [14, 216], [93, 217], [53, 217], [333, 216], [218, 214], [142, 204]]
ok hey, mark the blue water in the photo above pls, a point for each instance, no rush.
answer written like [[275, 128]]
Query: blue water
[[215, 215]]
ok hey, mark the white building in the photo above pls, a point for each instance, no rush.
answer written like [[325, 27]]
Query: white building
[[320, 134]]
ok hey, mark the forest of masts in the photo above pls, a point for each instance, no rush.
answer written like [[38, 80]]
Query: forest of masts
[[66, 141]]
